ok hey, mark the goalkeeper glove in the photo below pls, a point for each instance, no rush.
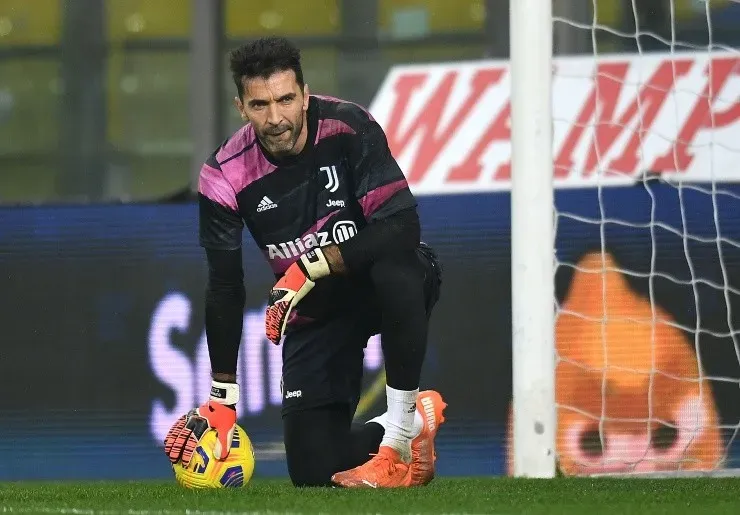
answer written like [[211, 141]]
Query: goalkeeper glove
[[298, 280], [184, 436]]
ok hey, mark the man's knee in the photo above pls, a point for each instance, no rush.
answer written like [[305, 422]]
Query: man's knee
[[404, 279], [314, 442], [310, 463], [401, 270]]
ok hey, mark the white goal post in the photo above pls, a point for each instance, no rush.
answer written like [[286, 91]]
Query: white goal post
[[532, 241]]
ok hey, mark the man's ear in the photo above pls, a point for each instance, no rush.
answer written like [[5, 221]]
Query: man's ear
[[306, 94], [240, 109]]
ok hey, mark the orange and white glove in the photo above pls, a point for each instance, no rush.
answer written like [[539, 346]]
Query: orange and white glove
[[185, 434], [299, 279]]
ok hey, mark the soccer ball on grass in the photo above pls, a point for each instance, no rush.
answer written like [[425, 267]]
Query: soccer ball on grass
[[205, 471]]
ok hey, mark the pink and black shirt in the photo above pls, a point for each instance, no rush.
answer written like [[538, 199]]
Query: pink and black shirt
[[344, 179]]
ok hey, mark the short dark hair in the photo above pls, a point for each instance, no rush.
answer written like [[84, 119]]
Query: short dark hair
[[262, 58]]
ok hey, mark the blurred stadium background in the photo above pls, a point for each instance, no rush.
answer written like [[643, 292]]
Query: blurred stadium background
[[107, 110], [97, 98]]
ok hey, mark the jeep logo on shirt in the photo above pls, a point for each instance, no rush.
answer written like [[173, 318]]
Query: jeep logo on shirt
[[335, 203]]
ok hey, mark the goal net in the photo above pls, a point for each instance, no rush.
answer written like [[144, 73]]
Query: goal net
[[646, 129]]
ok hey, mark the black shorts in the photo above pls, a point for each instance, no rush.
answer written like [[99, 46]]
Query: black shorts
[[323, 361]]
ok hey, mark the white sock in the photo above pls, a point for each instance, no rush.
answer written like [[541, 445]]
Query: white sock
[[399, 428], [383, 421]]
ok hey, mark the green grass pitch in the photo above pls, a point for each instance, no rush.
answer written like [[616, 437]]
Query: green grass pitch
[[475, 495]]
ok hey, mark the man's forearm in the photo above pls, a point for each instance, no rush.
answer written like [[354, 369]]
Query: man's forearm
[[396, 233], [225, 300], [224, 320]]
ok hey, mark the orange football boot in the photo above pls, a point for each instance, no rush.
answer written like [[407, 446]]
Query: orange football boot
[[385, 470], [431, 407]]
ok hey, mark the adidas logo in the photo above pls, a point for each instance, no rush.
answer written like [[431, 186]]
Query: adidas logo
[[265, 204]]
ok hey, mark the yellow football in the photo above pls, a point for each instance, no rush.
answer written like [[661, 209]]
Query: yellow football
[[205, 471]]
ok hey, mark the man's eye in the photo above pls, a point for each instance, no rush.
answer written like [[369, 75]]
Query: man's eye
[[286, 100]]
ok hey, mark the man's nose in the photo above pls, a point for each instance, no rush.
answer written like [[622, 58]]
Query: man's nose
[[273, 114]]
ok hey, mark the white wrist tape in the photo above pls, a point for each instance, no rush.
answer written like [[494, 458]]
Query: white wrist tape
[[316, 264], [224, 393]]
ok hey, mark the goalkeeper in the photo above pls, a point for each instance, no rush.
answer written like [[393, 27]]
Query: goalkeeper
[[314, 181]]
